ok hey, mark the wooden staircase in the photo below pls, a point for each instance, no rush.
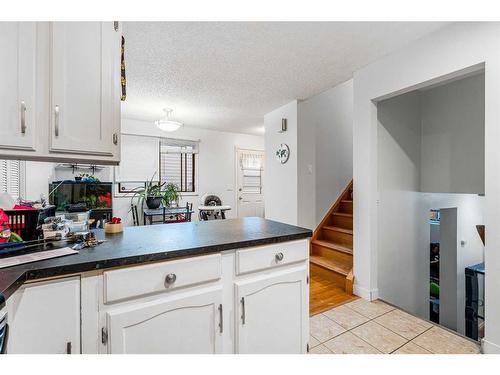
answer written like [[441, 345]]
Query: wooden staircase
[[331, 251]]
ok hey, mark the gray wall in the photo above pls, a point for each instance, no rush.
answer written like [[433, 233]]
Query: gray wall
[[327, 117], [453, 137], [403, 263], [448, 268]]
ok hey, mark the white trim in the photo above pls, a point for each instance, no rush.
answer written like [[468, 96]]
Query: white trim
[[369, 295], [488, 347]]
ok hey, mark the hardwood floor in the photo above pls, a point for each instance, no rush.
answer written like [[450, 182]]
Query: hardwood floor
[[325, 294]]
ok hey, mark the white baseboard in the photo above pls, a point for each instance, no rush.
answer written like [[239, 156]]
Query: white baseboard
[[489, 347], [367, 294]]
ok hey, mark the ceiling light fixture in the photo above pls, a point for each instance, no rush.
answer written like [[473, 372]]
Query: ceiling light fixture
[[167, 123]]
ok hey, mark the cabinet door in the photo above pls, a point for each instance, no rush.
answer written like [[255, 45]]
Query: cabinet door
[[85, 71], [188, 323], [44, 318], [272, 313], [17, 88]]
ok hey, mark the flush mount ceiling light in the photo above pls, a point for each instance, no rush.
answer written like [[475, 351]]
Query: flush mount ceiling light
[[167, 123]]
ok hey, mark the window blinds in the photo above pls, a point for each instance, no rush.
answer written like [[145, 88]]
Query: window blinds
[[10, 177], [251, 161], [177, 163]]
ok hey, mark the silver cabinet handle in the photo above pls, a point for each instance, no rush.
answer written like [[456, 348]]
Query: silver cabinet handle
[[221, 321], [279, 256], [243, 310], [115, 138], [23, 117], [170, 279], [56, 121]]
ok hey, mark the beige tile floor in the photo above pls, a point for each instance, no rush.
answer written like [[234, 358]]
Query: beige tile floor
[[362, 327]]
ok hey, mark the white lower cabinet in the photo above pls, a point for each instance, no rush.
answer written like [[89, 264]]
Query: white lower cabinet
[[44, 318], [234, 302], [190, 322], [272, 313]]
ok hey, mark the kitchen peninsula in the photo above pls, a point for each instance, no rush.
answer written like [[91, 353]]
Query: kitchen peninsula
[[233, 286]]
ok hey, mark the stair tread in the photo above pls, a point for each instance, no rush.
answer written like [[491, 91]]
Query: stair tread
[[346, 200], [338, 229], [333, 246], [330, 264], [342, 214]]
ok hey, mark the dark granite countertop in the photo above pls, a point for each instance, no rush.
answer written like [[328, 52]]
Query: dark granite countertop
[[144, 244]]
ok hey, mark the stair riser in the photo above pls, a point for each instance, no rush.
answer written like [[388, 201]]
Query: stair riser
[[328, 253], [341, 221], [346, 207], [329, 275], [343, 239]]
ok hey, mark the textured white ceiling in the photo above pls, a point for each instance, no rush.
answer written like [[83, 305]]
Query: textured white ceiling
[[227, 75]]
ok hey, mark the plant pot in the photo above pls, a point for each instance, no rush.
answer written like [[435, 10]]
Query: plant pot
[[78, 178], [153, 202]]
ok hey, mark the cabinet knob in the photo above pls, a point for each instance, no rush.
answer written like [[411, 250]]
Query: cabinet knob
[[115, 138], [170, 279], [279, 256]]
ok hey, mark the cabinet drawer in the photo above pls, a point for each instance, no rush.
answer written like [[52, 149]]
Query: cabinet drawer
[[260, 258], [159, 277]]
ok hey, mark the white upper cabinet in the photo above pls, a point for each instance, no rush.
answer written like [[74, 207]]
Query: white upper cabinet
[[17, 89], [60, 91], [272, 314], [85, 84]]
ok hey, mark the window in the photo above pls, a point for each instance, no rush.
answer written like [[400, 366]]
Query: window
[[178, 163], [11, 177]]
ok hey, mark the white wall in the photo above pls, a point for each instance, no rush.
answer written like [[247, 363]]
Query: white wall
[[216, 164], [328, 117], [454, 48], [320, 166], [216, 161], [37, 177], [281, 180], [453, 137]]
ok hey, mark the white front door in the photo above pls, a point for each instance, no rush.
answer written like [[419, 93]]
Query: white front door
[[250, 194], [272, 314], [189, 323]]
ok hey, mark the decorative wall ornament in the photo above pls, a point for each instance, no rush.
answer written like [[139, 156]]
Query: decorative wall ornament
[[283, 153]]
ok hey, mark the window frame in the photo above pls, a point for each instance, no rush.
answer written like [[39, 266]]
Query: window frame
[[194, 171]]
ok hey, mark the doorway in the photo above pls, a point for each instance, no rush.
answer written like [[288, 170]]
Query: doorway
[[431, 197], [249, 183]]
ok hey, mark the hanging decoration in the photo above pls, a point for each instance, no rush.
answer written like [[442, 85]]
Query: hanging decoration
[[283, 153]]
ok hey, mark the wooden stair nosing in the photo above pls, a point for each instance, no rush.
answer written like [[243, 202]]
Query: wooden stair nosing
[[341, 214], [337, 229], [329, 265], [332, 246]]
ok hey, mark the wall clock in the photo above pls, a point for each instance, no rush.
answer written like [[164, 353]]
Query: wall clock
[[283, 153]]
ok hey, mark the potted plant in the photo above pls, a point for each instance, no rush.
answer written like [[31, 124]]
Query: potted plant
[[151, 193], [171, 195]]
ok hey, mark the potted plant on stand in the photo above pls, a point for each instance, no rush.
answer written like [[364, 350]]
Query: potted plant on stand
[[151, 193], [171, 195]]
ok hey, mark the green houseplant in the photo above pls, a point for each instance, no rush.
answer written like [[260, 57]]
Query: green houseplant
[[171, 195], [151, 193]]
